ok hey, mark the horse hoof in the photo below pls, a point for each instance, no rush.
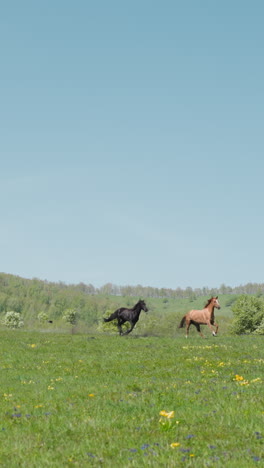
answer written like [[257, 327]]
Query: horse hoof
[[214, 334]]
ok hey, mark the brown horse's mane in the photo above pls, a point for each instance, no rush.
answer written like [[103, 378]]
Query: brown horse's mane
[[208, 302]]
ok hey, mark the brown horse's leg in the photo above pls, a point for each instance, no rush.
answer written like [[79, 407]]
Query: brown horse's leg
[[216, 328], [198, 328], [188, 323], [211, 328]]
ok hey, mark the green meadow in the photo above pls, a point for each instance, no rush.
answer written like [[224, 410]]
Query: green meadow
[[96, 399]]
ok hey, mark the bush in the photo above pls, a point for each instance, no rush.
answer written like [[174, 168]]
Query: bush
[[248, 314], [260, 329], [13, 320], [42, 317], [70, 316]]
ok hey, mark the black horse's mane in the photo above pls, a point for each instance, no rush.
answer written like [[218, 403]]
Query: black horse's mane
[[138, 302]]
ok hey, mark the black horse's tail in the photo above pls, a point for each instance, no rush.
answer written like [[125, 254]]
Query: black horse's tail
[[112, 317], [182, 321]]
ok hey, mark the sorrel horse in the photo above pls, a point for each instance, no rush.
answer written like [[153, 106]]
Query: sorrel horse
[[127, 315], [202, 317]]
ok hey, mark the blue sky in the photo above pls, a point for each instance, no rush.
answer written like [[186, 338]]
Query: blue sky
[[132, 142]]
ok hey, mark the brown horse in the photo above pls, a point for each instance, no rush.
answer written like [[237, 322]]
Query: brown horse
[[202, 317]]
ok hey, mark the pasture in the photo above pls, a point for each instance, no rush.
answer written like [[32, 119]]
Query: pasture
[[103, 400]]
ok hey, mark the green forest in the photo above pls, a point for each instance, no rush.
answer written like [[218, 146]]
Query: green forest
[[46, 303]]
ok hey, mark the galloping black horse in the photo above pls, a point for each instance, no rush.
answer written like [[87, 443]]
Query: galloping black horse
[[127, 315]]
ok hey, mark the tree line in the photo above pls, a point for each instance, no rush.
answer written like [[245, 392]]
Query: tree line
[[18, 286], [184, 293], [34, 300], [30, 297]]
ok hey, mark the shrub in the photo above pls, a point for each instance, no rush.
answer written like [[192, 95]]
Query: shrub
[[42, 317], [13, 320], [260, 329], [248, 314], [70, 316]]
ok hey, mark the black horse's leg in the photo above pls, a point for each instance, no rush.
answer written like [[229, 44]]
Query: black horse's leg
[[119, 323], [130, 329]]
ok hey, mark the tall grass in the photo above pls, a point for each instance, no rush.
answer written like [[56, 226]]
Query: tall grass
[[92, 400]]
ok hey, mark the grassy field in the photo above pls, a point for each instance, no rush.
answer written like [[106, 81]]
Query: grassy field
[[102, 400]]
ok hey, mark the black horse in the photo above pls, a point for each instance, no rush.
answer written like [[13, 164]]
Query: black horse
[[127, 315]]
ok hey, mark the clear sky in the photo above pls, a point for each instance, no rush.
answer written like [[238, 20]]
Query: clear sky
[[131, 141]]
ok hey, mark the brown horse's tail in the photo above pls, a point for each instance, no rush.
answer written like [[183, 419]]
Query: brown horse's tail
[[182, 321]]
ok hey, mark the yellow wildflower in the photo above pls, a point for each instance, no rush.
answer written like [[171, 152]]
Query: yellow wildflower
[[175, 444], [238, 377], [245, 382], [166, 414]]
